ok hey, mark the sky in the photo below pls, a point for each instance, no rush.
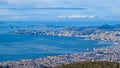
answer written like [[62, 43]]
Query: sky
[[58, 9]]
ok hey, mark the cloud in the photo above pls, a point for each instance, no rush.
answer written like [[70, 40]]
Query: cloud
[[64, 3], [77, 16], [60, 8]]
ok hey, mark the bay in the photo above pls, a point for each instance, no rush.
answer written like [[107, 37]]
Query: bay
[[16, 47]]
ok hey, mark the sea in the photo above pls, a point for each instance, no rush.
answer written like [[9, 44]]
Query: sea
[[17, 47]]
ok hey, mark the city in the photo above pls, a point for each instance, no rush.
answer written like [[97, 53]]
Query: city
[[59, 34], [110, 53]]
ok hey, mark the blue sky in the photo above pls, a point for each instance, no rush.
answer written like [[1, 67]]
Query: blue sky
[[57, 9]]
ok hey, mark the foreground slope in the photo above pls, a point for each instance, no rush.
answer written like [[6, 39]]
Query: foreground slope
[[99, 64]]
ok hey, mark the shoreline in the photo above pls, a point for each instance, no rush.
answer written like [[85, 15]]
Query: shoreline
[[110, 53], [52, 61], [81, 38]]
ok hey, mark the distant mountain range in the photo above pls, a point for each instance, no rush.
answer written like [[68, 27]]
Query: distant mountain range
[[106, 26]]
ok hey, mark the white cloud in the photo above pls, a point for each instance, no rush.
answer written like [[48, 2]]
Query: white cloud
[[8, 12], [77, 16], [94, 7], [19, 17]]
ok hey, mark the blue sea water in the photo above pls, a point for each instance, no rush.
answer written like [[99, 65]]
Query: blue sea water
[[16, 47]]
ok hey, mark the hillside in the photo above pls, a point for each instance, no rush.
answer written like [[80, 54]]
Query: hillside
[[99, 64]]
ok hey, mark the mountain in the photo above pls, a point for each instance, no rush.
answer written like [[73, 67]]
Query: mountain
[[106, 26]]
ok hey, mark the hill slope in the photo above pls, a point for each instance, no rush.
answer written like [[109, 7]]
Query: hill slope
[[99, 64]]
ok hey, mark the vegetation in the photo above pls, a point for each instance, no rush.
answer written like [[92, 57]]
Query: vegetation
[[1, 66], [4, 66], [99, 64], [87, 64]]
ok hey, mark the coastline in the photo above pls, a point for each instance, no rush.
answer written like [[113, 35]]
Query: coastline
[[110, 53], [52, 61]]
